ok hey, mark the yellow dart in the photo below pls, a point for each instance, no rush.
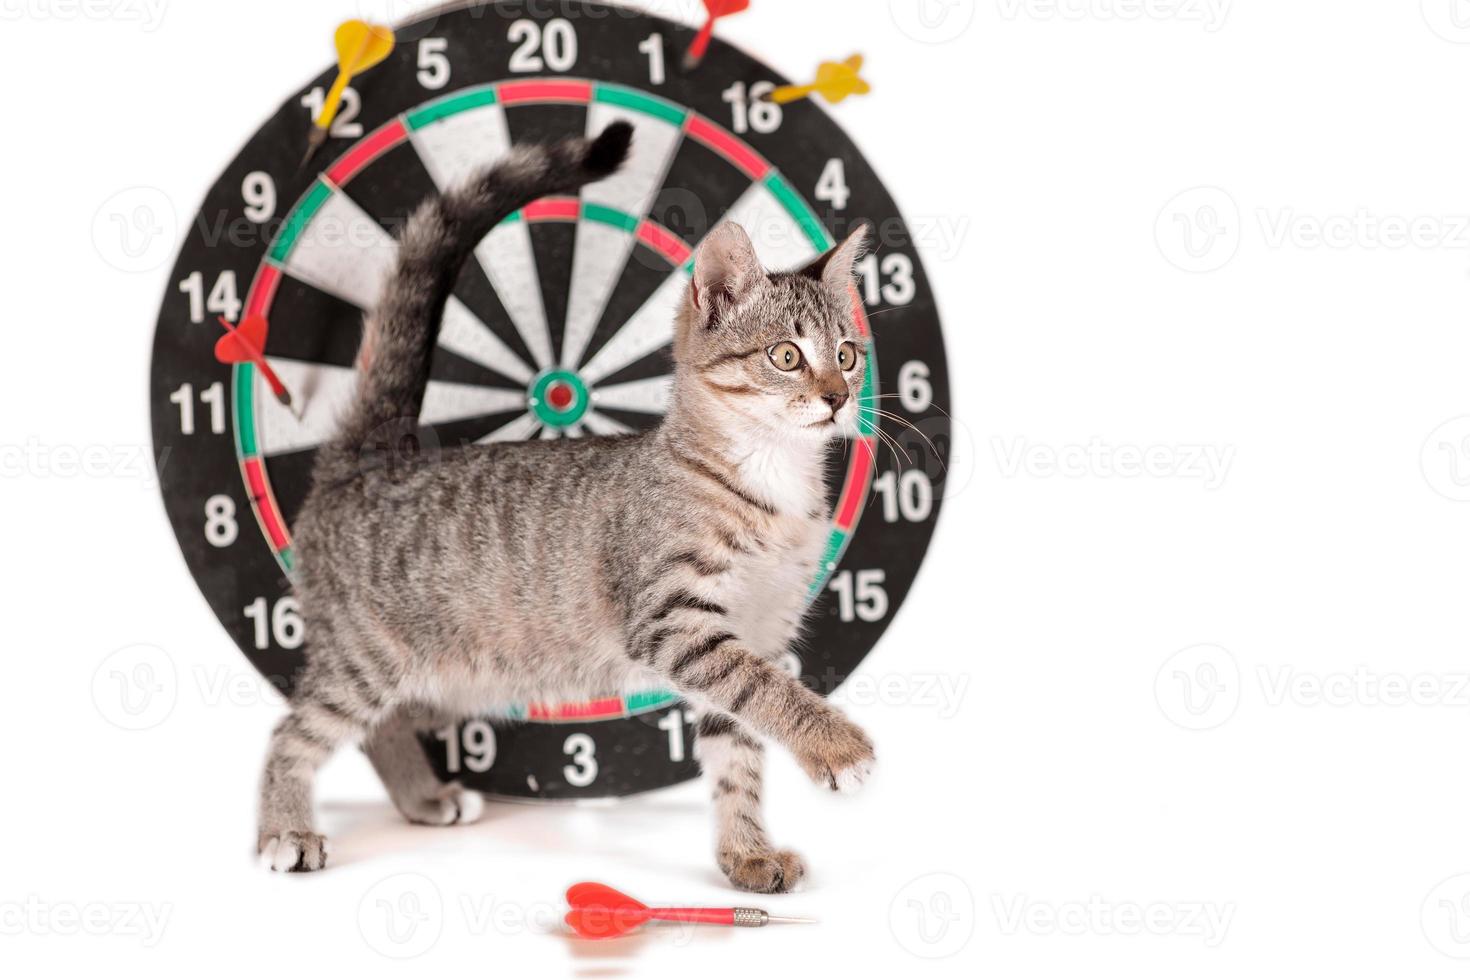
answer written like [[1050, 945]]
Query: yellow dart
[[360, 46], [836, 80]]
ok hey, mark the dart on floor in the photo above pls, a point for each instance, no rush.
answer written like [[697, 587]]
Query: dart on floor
[[836, 80], [716, 9], [246, 342], [360, 46], [600, 912]]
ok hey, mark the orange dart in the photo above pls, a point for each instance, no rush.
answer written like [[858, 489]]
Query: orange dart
[[836, 80], [360, 46]]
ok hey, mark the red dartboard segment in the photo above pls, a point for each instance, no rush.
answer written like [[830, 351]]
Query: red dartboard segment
[[263, 290], [664, 242], [722, 142], [260, 492], [553, 209], [859, 475], [512, 93], [373, 146]]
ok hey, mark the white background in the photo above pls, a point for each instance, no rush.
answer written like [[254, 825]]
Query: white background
[[1212, 722]]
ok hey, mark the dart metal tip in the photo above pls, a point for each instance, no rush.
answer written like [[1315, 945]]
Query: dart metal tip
[[793, 919], [314, 143], [691, 60]]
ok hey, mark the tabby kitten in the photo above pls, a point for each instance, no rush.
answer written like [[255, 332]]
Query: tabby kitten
[[440, 586]]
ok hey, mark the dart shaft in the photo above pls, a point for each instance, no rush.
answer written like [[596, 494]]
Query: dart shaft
[[717, 917], [701, 43]]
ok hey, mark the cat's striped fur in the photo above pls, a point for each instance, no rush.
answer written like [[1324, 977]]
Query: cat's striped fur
[[449, 581]]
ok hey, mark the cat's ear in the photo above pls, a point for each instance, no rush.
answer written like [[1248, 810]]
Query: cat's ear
[[834, 268], [725, 268]]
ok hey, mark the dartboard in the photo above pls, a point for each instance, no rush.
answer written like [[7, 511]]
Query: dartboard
[[560, 326]]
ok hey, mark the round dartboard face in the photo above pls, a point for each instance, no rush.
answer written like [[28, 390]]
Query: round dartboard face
[[559, 327]]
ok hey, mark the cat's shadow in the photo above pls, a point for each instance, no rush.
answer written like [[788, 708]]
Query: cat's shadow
[[367, 830]]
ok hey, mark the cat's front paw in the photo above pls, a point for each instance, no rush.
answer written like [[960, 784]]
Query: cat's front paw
[[453, 804], [292, 850], [767, 872], [839, 756]]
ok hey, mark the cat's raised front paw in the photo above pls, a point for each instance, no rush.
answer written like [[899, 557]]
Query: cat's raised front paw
[[839, 757], [292, 850]]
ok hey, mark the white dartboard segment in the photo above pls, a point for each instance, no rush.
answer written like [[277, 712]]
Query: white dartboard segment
[[601, 425], [457, 146], [597, 264], [649, 395], [352, 255], [651, 328], [518, 429], [324, 392], [452, 150], [780, 242], [510, 265], [602, 250], [344, 252]]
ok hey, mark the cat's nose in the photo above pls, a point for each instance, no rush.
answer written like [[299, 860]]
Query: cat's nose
[[835, 400]]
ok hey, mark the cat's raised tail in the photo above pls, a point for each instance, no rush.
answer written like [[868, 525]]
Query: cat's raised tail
[[398, 345]]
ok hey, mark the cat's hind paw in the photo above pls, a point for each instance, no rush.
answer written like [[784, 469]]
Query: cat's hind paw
[[452, 805]]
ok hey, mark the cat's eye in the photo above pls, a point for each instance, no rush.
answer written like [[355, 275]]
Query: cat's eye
[[785, 355], [847, 355]]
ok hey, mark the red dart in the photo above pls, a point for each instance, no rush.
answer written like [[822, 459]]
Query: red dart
[[245, 343], [717, 9], [600, 912]]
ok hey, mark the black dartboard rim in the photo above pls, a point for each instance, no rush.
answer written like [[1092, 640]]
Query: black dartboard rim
[[638, 742]]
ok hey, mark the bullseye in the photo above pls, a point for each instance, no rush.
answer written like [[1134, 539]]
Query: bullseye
[[559, 398]]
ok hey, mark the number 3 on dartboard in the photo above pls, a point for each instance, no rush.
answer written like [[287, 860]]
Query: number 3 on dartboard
[[583, 768]]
